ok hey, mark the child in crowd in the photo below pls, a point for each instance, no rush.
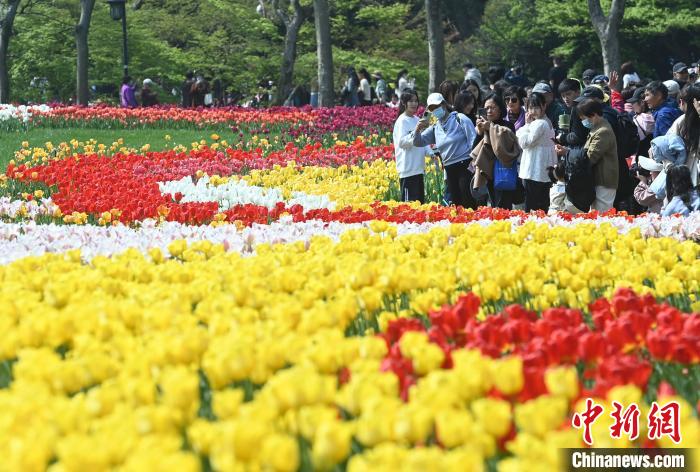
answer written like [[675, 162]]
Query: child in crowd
[[681, 196]]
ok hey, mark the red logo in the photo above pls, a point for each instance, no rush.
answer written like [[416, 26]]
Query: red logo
[[663, 421]]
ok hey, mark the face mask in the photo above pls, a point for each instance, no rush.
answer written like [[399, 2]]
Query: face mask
[[587, 123], [439, 113]]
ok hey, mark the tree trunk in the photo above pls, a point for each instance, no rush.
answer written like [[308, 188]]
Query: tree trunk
[[82, 29], [324, 52], [292, 26], [436, 45], [607, 28], [8, 11]]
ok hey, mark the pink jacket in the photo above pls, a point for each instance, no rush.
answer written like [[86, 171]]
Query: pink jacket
[[647, 198]]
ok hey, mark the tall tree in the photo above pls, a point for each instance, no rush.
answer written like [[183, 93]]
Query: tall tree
[[291, 17], [82, 29], [436, 44], [324, 51], [607, 28], [8, 11]]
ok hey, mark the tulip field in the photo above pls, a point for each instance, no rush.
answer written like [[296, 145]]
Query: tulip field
[[247, 294]]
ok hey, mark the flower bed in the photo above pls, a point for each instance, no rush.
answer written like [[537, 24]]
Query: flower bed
[[337, 353], [292, 121]]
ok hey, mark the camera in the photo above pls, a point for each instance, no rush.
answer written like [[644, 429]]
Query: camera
[[637, 169], [558, 172]]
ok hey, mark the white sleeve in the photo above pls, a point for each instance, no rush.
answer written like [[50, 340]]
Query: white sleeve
[[531, 132], [403, 134]]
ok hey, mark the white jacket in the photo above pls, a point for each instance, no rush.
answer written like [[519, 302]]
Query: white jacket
[[537, 140], [365, 88], [410, 159]]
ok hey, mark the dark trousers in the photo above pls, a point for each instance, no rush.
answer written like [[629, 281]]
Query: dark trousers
[[500, 198], [536, 195], [447, 198], [412, 188], [459, 178]]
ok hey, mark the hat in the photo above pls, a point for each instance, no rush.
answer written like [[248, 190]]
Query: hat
[[669, 148], [637, 97], [435, 99], [650, 164], [541, 87], [600, 79], [589, 74], [629, 79], [148, 82], [475, 75], [673, 88], [590, 92], [679, 67]]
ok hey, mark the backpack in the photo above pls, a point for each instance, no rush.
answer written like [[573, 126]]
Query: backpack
[[579, 181], [628, 139]]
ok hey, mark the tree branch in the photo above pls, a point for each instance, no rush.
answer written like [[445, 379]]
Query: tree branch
[[598, 18], [617, 11], [10, 11]]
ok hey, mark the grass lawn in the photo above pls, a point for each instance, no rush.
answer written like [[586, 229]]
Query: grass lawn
[[11, 142]]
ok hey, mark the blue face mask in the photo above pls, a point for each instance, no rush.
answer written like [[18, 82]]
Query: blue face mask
[[439, 113], [587, 123]]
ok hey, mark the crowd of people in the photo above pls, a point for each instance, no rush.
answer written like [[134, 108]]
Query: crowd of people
[[363, 89], [129, 91], [196, 90], [563, 144]]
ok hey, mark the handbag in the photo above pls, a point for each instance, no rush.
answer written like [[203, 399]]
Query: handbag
[[505, 178]]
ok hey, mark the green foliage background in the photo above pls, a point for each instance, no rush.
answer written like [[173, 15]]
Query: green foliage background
[[229, 40]]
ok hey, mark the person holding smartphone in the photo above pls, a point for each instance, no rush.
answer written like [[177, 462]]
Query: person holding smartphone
[[493, 114], [410, 159], [453, 134], [536, 138]]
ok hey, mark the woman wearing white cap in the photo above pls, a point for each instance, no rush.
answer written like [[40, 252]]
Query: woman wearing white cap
[[149, 97], [642, 193], [453, 135]]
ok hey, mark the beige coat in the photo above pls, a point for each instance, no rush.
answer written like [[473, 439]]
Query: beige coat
[[601, 149], [499, 143]]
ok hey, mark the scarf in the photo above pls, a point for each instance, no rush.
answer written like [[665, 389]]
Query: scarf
[[519, 122]]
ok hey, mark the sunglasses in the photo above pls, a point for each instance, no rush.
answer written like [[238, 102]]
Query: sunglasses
[[512, 99]]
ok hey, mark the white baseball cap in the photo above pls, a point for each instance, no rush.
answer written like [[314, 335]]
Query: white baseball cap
[[650, 164], [435, 99], [673, 87]]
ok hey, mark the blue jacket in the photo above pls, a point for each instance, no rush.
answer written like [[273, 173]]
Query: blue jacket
[[676, 205], [669, 148], [664, 116], [453, 137]]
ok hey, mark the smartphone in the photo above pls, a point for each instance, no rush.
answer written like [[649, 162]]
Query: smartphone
[[482, 112]]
